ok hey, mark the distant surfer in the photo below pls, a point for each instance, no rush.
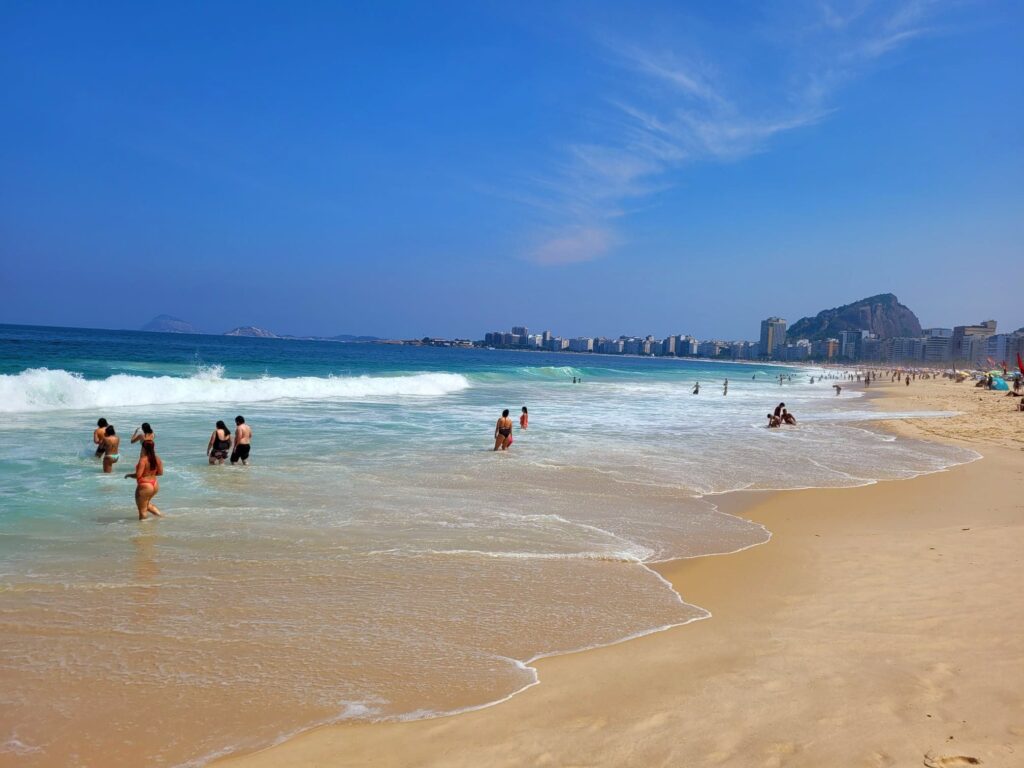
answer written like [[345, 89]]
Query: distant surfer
[[220, 444], [503, 432], [243, 440], [99, 435], [111, 446], [149, 468], [524, 418]]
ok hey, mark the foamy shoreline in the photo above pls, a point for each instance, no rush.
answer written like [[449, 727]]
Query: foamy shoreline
[[591, 705]]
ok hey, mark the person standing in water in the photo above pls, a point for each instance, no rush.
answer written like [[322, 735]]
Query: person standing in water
[[503, 432], [725, 388], [99, 435], [696, 388], [147, 486], [524, 419], [243, 438], [111, 445], [142, 434], [220, 444]]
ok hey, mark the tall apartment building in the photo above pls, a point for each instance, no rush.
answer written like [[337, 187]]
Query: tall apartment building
[[773, 337], [969, 340]]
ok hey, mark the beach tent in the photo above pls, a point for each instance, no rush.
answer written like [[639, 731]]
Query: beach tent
[[999, 383]]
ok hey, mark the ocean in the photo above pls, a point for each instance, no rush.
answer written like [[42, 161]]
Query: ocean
[[376, 560]]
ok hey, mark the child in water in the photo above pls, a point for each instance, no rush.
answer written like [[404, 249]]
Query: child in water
[[524, 419]]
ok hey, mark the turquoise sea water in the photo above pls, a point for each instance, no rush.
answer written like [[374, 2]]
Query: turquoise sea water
[[376, 559]]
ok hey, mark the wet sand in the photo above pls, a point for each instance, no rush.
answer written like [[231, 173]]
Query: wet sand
[[880, 626]]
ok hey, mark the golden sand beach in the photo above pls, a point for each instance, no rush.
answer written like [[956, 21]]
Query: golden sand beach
[[880, 626]]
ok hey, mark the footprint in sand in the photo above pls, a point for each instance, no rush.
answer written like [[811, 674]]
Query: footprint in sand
[[933, 761]]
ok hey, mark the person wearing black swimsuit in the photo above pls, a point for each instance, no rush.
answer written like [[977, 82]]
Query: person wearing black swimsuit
[[219, 445], [503, 431]]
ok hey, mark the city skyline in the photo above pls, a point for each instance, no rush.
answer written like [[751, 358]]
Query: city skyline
[[334, 169]]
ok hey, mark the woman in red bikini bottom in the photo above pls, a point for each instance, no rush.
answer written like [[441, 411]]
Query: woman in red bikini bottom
[[149, 468]]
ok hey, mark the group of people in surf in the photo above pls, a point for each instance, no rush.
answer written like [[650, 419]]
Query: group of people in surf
[[781, 416], [503, 428], [150, 466]]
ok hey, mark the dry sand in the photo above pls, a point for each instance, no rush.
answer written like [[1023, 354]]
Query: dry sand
[[881, 626]]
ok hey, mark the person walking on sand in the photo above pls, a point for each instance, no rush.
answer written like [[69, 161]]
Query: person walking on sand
[[503, 432], [243, 438], [111, 446], [99, 435], [147, 486], [219, 445], [524, 419]]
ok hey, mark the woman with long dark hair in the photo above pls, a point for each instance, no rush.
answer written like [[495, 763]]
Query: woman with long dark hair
[[143, 433], [219, 445], [149, 468]]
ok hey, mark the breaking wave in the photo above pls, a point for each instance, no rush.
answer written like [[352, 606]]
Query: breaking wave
[[42, 389]]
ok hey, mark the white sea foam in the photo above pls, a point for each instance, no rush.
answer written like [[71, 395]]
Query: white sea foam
[[42, 389]]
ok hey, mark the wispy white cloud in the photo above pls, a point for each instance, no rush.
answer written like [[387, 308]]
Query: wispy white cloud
[[679, 110], [573, 245]]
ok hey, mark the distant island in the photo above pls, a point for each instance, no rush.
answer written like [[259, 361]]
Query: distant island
[[253, 332], [168, 324]]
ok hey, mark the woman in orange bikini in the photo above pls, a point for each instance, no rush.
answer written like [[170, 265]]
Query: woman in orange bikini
[[149, 468], [524, 419]]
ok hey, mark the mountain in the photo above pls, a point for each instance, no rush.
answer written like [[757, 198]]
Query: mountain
[[252, 330], [169, 324], [883, 315]]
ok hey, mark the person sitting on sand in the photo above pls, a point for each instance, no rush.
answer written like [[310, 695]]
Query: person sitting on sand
[[220, 444], [142, 434], [243, 438], [788, 418], [147, 486], [774, 421], [524, 419], [99, 435], [111, 445], [503, 431]]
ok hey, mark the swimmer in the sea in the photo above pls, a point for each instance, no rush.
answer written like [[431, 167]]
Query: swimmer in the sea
[[99, 435], [524, 419], [143, 433], [503, 431], [111, 446], [243, 440], [220, 444]]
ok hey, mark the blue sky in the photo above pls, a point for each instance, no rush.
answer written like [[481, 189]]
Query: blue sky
[[448, 169]]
